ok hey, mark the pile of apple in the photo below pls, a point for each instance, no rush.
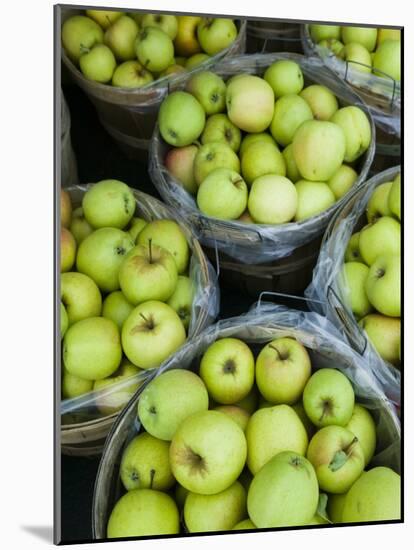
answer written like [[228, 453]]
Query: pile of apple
[[126, 295], [132, 50], [371, 50], [251, 443], [372, 271], [263, 150]]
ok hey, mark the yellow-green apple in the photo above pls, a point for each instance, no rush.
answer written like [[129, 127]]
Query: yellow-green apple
[[67, 249], [143, 512], [285, 77], [220, 129], [227, 369], [169, 399], [136, 226], [335, 506], [223, 194], [239, 415], [208, 452], [216, 34], [181, 299], [131, 74], [284, 492], [110, 398], [354, 275], [244, 525], [324, 32], [80, 295], [357, 56], [314, 197], [272, 430], [357, 130], [321, 101], [154, 49], [384, 334], [249, 139], [145, 464], [73, 386], [80, 32], [101, 254], [151, 333], [366, 36], [332, 44], [181, 119], [383, 284], [210, 90], [261, 159], [290, 112], [282, 369], [352, 253], [172, 70], [250, 402], [65, 208], [92, 348], [79, 227], [328, 398], [121, 36], [179, 161], [362, 425], [167, 234], [378, 202], [104, 18], [64, 321], [148, 273], [394, 198], [167, 23], [318, 149], [342, 181], [180, 495], [375, 496], [186, 43], [337, 456], [218, 512], [300, 411], [250, 103], [272, 200], [381, 237], [116, 307], [292, 171], [196, 60], [211, 156], [98, 63], [108, 203], [388, 34]]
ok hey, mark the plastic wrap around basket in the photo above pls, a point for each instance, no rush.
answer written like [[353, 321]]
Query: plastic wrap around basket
[[83, 428], [259, 326], [325, 292], [258, 243]]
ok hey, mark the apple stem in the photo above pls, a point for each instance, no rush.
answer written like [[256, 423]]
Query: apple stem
[[152, 474], [143, 316], [279, 355], [350, 447]]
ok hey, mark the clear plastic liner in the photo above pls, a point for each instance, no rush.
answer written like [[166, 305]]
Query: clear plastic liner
[[257, 243], [325, 294], [263, 323], [205, 306]]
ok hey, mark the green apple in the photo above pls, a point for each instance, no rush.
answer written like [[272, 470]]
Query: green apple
[[65, 209], [261, 159], [80, 32], [357, 130], [64, 321], [352, 253], [388, 34], [186, 43], [300, 411], [104, 18], [272, 199], [290, 112], [101, 254], [167, 23], [208, 452], [135, 227], [98, 63], [284, 492], [385, 335], [131, 74], [145, 464], [151, 333], [383, 236], [335, 506], [227, 369], [272, 430], [210, 90], [239, 415], [181, 119], [282, 369], [285, 77], [181, 299], [218, 128], [73, 386], [342, 181], [67, 250], [337, 456], [116, 307], [143, 512], [332, 44], [366, 36], [169, 235], [154, 49], [292, 171], [214, 35], [383, 284], [314, 197], [353, 287], [244, 525], [169, 399], [92, 348], [318, 149], [80, 295], [223, 194], [328, 398], [378, 202], [249, 139], [212, 156], [375, 496], [79, 227], [109, 203], [250, 402], [219, 512], [394, 198], [172, 70], [362, 425], [110, 400], [196, 60], [179, 161], [121, 36], [323, 32], [250, 103], [357, 56], [322, 102]]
